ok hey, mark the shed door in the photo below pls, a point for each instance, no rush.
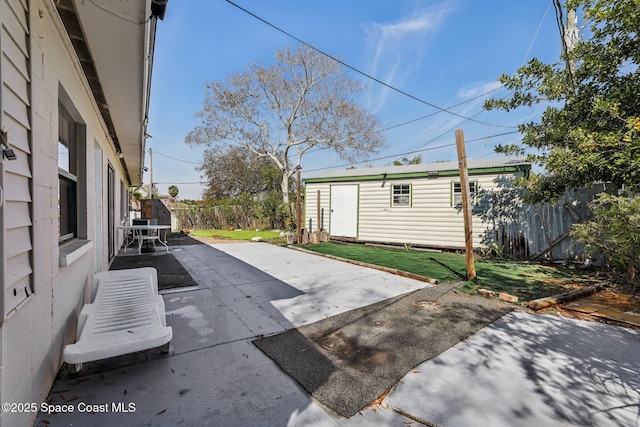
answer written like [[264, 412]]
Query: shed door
[[344, 210]]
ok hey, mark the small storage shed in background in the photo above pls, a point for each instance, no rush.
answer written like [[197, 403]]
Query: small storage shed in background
[[411, 204]]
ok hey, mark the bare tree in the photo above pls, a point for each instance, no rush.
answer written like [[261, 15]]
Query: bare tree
[[281, 111]]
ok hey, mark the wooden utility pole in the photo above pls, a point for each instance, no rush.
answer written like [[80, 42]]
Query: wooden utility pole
[[298, 209], [571, 31], [466, 203], [569, 34]]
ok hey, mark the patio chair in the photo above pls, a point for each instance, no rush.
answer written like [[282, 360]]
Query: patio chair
[[126, 316]]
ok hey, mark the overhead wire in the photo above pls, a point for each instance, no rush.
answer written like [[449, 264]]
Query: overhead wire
[[411, 152], [535, 35], [431, 141], [438, 112], [533, 39], [176, 159], [424, 117], [389, 86], [358, 71], [181, 183], [419, 149], [119, 16]]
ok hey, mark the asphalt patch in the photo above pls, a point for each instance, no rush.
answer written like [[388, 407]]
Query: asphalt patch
[[171, 274], [349, 360]]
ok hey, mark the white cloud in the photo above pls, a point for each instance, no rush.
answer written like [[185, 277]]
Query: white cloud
[[477, 89], [406, 26], [397, 48]]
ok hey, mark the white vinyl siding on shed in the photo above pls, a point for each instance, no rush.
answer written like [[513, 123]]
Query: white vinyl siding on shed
[[15, 175], [432, 220]]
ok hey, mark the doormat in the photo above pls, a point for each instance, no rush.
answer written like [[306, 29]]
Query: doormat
[[171, 274], [349, 360]]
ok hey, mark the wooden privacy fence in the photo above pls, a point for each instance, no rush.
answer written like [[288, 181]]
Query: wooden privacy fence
[[541, 231], [236, 216], [212, 217]]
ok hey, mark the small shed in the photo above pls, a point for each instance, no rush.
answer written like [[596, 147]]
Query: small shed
[[420, 205]]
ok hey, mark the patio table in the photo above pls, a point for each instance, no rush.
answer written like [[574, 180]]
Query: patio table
[[143, 233]]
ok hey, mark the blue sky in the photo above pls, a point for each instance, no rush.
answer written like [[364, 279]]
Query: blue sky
[[443, 52]]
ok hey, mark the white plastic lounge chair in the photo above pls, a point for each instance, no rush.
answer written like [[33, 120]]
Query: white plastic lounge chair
[[127, 315]]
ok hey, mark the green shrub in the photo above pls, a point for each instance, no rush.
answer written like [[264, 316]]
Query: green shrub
[[614, 232], [274, 211]]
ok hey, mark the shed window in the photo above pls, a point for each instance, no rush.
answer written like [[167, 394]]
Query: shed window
[[456, 199], [401, 195]]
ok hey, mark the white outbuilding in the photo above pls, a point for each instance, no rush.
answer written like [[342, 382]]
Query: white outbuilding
[[418, 205]]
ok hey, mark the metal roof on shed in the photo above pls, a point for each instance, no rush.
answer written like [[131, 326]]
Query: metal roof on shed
[[427, 168]]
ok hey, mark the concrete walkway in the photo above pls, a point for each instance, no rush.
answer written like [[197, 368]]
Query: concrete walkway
[[522, 370]]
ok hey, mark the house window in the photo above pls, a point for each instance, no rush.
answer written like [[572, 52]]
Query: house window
[[67, 176], [456, 199], [401, 195]]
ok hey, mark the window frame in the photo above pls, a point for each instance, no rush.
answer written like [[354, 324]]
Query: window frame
[[77, 166], [67, 179], [454, 193], [396, 197]]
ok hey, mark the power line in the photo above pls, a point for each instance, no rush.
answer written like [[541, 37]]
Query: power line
[[457, 125], [352, 68], [364, 161], [492, 136], [446, 132], [431, 141], [118, 16], [380, 158], [438, 112], [424, 117], [179, 160], [418, 150], [180, 183], [413, 151], [533, 39], [535, 36]]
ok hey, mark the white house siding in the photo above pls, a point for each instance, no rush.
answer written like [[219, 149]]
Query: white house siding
[[16, 174], [430, 220], [16, 349], [38, 60]]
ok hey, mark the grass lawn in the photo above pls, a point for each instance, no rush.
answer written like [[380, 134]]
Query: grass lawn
[[236, 234], [527, 281]]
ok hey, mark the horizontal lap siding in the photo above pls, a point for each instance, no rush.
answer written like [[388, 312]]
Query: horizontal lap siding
[[16, 174], [430, 220]]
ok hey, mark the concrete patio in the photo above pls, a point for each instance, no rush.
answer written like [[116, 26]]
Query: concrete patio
[[524, 369]]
